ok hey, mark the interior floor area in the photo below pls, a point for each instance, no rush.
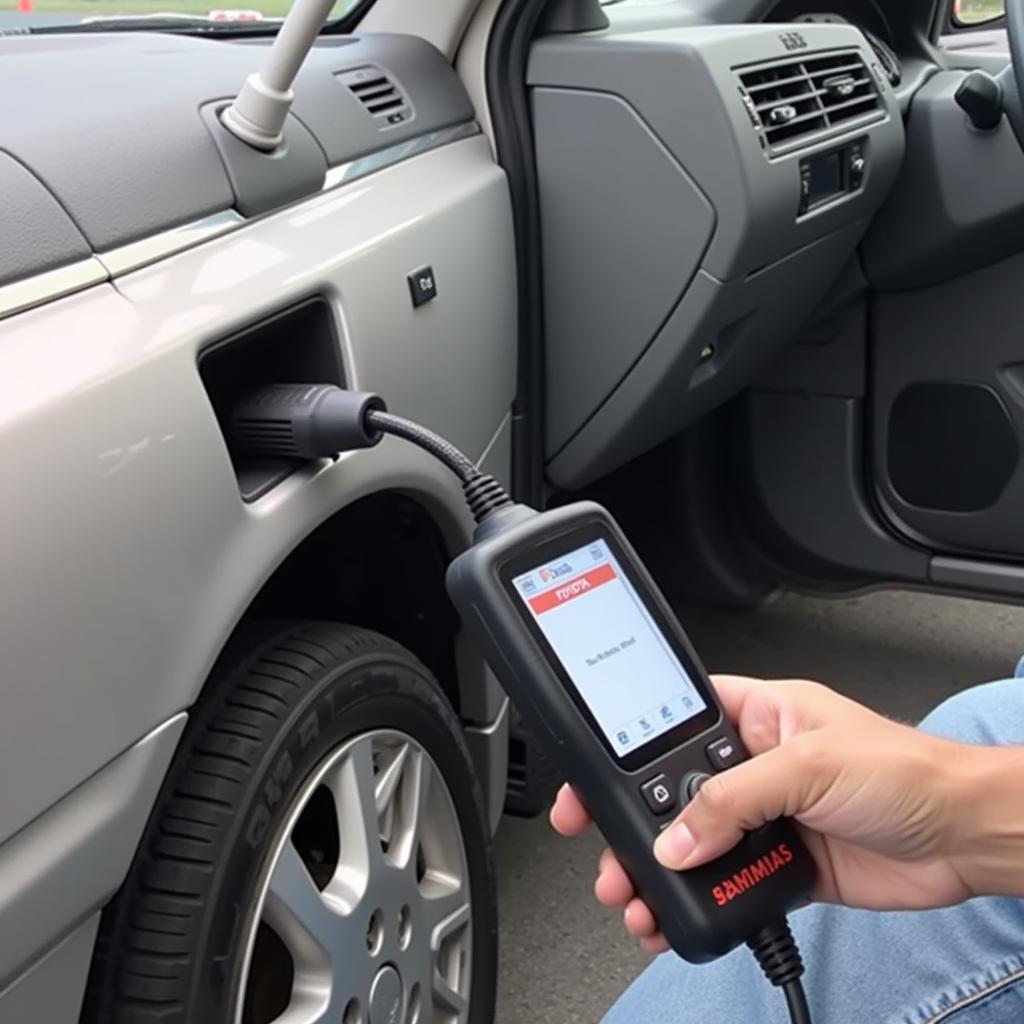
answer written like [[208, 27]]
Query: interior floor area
[[565, 958]]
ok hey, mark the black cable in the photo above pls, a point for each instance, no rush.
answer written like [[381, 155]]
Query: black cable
[[445, 451], [778, 957], [483, 493], [796, 1000]]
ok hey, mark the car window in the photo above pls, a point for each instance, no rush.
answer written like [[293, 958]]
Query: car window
[[53, 14], [974, 12]]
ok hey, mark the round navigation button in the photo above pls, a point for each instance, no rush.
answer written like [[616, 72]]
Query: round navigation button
[[692, 783]]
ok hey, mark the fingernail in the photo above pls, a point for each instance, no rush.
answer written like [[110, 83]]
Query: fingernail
[[674, 845]]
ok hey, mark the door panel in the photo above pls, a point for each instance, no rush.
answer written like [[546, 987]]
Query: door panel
[[947, 412]]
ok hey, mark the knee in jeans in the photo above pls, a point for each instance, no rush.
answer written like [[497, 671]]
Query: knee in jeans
[[992, 713]]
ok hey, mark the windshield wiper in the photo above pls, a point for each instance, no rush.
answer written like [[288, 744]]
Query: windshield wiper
[[149, 22]]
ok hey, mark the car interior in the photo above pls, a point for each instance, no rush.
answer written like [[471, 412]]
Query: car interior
[[875, 434], [741, 270]]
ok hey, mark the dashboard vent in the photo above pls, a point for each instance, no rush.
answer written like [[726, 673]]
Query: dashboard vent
[[792, 101], [380, 95]]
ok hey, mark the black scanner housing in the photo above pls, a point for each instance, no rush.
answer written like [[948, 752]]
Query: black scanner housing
[[704, 912]]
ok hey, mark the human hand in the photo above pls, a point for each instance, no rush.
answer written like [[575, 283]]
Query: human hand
[[879, 805]]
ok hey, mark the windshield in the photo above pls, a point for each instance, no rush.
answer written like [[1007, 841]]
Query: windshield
[[22, 15]]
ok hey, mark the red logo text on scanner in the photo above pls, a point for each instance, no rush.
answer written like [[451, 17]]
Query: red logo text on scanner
[[578, 585], [752, 874]]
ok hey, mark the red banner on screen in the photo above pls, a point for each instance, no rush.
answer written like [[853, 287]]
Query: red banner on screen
[[575, 587]]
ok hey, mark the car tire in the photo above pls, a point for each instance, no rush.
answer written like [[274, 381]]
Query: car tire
[[319, 845]]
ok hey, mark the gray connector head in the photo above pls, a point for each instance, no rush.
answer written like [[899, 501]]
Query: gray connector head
[[303, 421]]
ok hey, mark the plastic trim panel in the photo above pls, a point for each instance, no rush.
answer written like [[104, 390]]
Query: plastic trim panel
[[50, 285], [149, 250], [355, 169], [488, 747], [104, 266]]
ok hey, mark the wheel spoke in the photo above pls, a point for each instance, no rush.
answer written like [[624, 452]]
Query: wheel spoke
[[386, 789], [306, 1010], [448, 919], [415, 792], [297, 911], [305, 924], [387, 781], [446, 913], [448, 997], [355, 803]]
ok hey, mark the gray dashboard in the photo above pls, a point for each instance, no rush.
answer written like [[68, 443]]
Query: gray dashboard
[[112, 137], [679, 251]]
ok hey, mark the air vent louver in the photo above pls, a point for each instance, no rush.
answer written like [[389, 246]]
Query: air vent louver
[[793, 100], [380, 95]]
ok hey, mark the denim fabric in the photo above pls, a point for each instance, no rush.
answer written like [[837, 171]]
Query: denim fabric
[[961, 965]]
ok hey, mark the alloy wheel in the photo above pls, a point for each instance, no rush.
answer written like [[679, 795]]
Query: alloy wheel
[[363, 912]]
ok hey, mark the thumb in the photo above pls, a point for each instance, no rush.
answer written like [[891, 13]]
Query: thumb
[[736, 801]]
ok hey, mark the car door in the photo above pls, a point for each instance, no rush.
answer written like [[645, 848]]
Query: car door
[[945, 382], [885, 444]]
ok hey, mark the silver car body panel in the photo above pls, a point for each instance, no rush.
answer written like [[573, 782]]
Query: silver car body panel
[[51, 991], [129, 555], [62, 868]]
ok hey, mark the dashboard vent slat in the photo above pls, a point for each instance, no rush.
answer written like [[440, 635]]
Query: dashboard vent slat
[[856, 65], [381, 96], [796, 101]]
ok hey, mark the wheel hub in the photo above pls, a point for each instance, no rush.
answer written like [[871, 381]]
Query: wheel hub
[[386, 997]]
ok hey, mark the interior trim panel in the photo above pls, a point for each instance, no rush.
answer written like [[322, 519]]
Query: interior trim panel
[[41, 288], [700, 189], [51, 284], [88, 184], [148, 250]]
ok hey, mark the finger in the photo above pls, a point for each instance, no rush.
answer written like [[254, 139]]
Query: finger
[[733, 691], [613, 887], [778, 783], [768, 712], [753, 707], [639, 920], [655, 944], [568, 815]]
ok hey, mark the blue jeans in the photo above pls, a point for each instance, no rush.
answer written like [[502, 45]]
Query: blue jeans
[[961, 965]]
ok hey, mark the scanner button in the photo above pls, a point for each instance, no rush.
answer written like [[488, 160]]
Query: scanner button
[[693, 783], [723, 753], [658, 794]]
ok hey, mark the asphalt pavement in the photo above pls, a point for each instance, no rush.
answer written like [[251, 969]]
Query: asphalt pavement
[[564, 958]]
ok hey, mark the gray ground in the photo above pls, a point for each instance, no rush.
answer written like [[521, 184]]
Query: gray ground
[[564, 958]]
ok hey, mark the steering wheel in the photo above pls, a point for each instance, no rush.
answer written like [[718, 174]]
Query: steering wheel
[[1011, 75]]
